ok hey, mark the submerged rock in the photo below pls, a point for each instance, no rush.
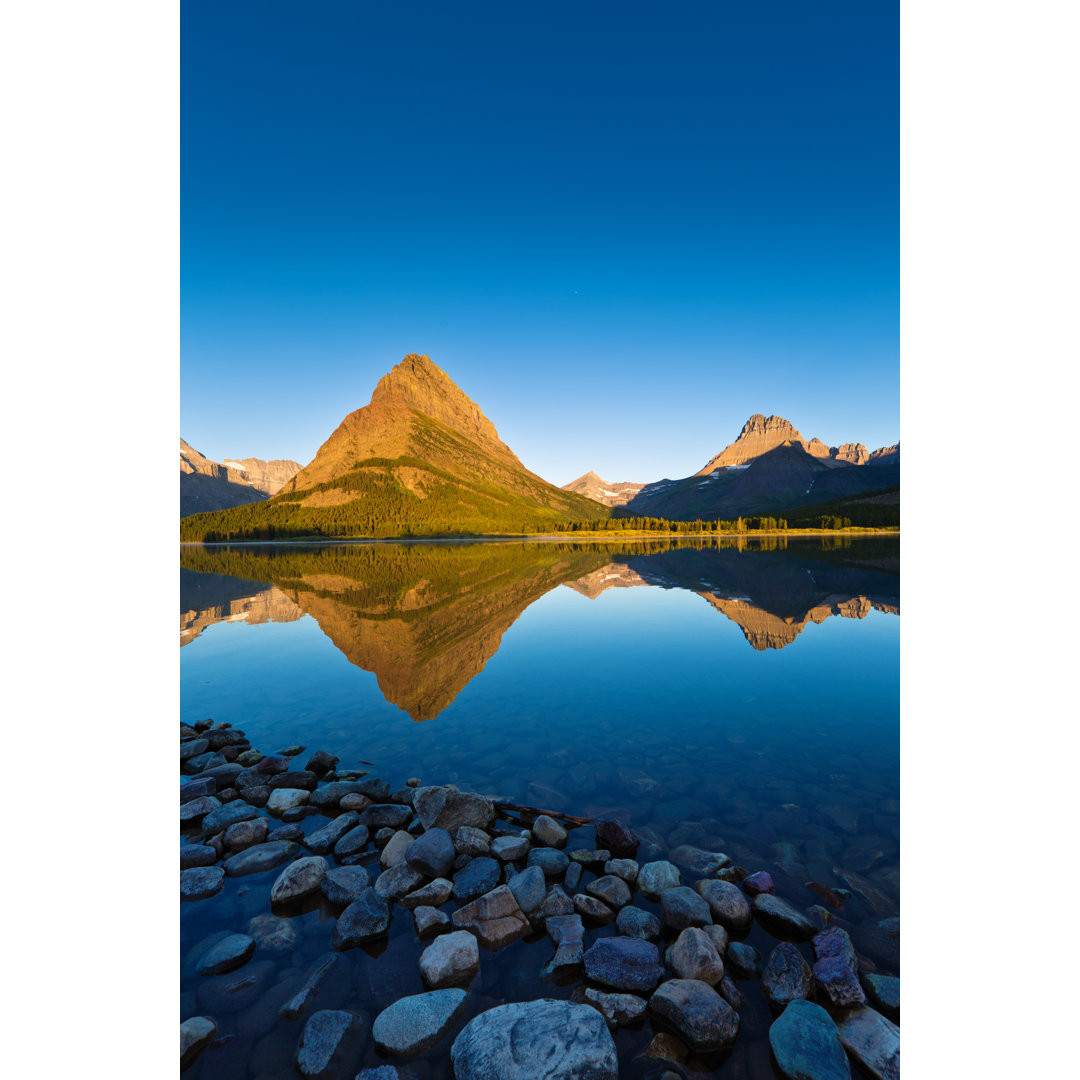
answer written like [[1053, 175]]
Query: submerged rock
[[618, 838], [330, 1045], [872, 1041], [273, 934], [201, 883], [786, 976], [744, 959], [325, 971], [806, 1044], [415, 1024], [781, 917], [703, 1019], [228, 954], [196, 1034]]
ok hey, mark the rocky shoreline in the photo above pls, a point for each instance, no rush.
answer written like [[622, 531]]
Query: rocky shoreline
[[319, 899]]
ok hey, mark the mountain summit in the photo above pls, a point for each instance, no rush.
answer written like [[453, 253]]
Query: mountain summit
[[760, 434]]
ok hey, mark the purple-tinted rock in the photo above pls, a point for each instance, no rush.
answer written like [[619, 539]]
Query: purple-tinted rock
[[703, 1019], [622, 963], [758, 883], [617, 837]]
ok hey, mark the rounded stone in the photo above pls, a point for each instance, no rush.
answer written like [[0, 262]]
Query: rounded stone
[[548, 831], [452, 960], [635, 923], [681, 907], [227, 955], [806, 1045], [432, 853], [529, 888], [201, 882], [655, 878], [786, 976], [726, 901], [477, 877], [780, 917], [329, 1045], [254, 860], [702, 1018], [694, 956], [413, 1025], [611, 889], [624, 963], [552, 861], [298, 880]]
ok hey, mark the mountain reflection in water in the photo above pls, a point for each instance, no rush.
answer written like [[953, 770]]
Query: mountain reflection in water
[[426, 618]]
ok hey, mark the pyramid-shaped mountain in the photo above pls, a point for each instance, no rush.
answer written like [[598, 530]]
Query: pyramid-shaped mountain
[[421, 458]]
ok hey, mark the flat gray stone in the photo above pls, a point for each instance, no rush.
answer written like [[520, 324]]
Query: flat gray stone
[[413, 1025], [227, 955]]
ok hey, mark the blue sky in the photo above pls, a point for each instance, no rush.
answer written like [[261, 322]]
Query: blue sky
[[621, 228]]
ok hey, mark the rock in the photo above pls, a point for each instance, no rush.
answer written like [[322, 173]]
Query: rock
[[555, 903], [283, 798], [682, 907], [872, 1041], [781, 918], [627, 869], [352, 801], [243, 834], [471, 841], [220, 819], [413, 1025], [219, 994], [477, 877], [201, 883], [287, 832], [665, 1047], [806, 1045], [448, 808], [329, 796], [655, 878], [322, 841], [589, 857], [837, 969], [330, 1044], [510, 848], [297, 779], [548, 832], [623, 963], [786, 976], [227, 955], [592, 909], [291, 751], [257, 796], [884, 993], [566, 929], [758, 883], [433, 894], [572, 878], [363, 920], [254, 860], [694, 956], [429, 920], [328, 969], [727, 904], [697, 861], [618, 838], [529, 888], [550, 860], [731, 993], [452, 960], [386, 816], [433, 852], [703, 1019], [719, 937], [192, 855], [823, 892], [397, 882], [635, 923], [321, 762], [197, 789], [344, 884], [494, 918], [396, 847], [611, 889], [744, 959], [617, 1009], [353, 842], [196, 1034], [271, 765], [193, 748], [375, 789], [552, 1040], [273, 935], [300, 879]]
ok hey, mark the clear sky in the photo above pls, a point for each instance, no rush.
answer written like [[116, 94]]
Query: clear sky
[[621, 228]]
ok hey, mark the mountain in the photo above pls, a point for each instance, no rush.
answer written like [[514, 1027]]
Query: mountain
[[207, 485], [760, 434], [420, 458], [603, 491]]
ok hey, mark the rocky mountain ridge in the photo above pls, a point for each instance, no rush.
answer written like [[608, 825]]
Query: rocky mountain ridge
[[210, 485], [610, 493]]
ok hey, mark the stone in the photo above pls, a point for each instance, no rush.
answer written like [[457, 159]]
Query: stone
[[694, 956], [596, 911], [494, 918], [300, 780], [298, 880], [590, 858], [396, 847], [322, 841], [201, 883], [352, 843], [219, 994], [254, 860], [271, 765], [477, 877], [413, 1025], [321, 763], [327, 970], [429, 920], [635, 923], [758, 883], [244, 834], [697, 861], [682, 907], [220, 819], [227, 955], [292, 751], [565, 929], [617, 1009], [273, 935], [197, 789], [745, 960], [471, 841], [397, 881], [364, 920], [702, 1018], [550, 860], [547, 831], [611, 889], [623, 963], [196, 1034], [330, 1044], [665, 1047], [555, 903], [432, 853], [192, 855], [786, 976], [884, 993], [806, 1045], [448, 808], [572, 878], [872, 1041], [375, 789], [510, 848], [731, 993], [283, 798], [529, 888], [627, 869], [329, 796], [781, 918], [432, 894], [344, 884], [552, 1040], [618, 838], [727, 904], [287, 832], [655, 878], [719, 937], [193, 748], [257, 796], [836, 968], [386, 816], [452, 960], [352, 800]]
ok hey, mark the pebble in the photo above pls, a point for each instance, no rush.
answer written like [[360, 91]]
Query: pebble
[[655, 878], [364, 920], [786, 976], [352, 800], [291, 751], [413, 1025], [682, 907], [321, 762], [590, 858], [494, 918], [572, 877], [548, 831], [298, 880], [694, 956], [432, 853], [451, 960], [298, 779], [806, 1045], [282, 799], [201, 883], [254, 860], [836, 969], [330, 1044], [196, 1034], [624, 963], [635, 923], [228, 954], [555, 903], [702, 1018], [728, 905]]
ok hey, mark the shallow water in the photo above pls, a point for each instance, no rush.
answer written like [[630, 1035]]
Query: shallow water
[[742, 698]]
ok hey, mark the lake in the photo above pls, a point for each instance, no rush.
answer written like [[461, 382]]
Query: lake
[[736, 696]]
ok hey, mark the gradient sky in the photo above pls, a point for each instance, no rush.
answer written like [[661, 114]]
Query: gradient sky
[[621, 228]]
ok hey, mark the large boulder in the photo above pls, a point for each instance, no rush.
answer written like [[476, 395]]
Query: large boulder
[[536, 1040]]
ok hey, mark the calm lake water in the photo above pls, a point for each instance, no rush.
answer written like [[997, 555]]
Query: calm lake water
[[741, 698]]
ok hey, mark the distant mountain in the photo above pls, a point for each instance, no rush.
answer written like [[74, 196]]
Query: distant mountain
[[208, 485], [603, 491], [420, 458], [769, 468]]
